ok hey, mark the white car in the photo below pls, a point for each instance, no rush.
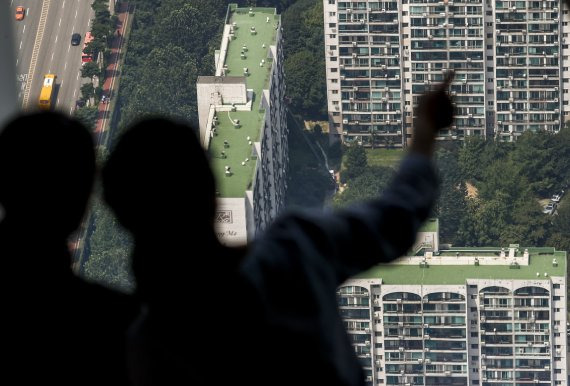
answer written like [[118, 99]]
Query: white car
[[557, 197], [550, 208]]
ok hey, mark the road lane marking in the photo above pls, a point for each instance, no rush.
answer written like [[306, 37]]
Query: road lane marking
[[35, 52], [74, 92], [70, 110], [21, 44], [60, 21], [11, 2], [63, 5], [56, 36], [77, 76], [17, 60], [52, 56], [68, 48], [57, 103], [24, 30], [64, 67], [76, 13]]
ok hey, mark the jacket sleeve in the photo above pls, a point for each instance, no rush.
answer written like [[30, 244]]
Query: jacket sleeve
[[354, 239]]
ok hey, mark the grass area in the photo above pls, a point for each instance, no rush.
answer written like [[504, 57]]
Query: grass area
[[458, 274], [255, 48], [237, 151], [384, 157]]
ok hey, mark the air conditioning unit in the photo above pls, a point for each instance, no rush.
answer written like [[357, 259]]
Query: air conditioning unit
[[378, 363], [482, 356], [426, 349], [401, 349], [447, 372], [355, 88], [428, 361], [426, 336], [367, 330], [345, 121], [555, 99], [367, 343], [453, 93], [348, 10], [354, 54], [401, 337], [354, 44]]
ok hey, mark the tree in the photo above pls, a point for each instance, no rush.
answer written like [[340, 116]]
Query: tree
[[90, 69], [369, 184], [87, 116], [87, 91], [355, 162]]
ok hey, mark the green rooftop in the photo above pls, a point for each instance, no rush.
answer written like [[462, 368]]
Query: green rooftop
[[431, 225], [540, 260], [250, 122]]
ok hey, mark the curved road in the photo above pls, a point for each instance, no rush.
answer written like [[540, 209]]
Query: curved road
[[48, 40]]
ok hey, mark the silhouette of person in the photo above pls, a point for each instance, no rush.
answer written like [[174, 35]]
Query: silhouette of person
[[270, 310], [158, 182], [59, 329]]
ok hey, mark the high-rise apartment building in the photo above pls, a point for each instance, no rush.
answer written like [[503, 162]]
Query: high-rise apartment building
[[243, 123], [509, 57], [461, 316]]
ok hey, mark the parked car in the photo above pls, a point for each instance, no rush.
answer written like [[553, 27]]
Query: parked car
[[557, 197], [550, 208], [20, 13], [75, 39]]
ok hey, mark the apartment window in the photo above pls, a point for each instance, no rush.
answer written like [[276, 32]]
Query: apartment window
[[565, 57], [336, 113], [405, 36], [335, 91], [474, 334], [405, 24], [565, 23], [332, 36], [556, 286], [334, 59], [558, 371], [476, 382], [332, 13], [564, 80], [489, 13], [556, 298], [407, 103], [332, 47], [335, 103], [489, 46], [490, 69], [475, 369], [475, 358], [378, 345], [565, 46], [490, 57], [489, 92], [408, 114], [490, 80], [473, 286], [334, 69], [490, 103], [334, 80], [380, 381], [473, 309], [490, 35], [475, 346], [490, 24], [332, 25], [331, 2], [564, 68], [404, 13], [406, 69]]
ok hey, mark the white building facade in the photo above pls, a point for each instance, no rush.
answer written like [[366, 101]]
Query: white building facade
[[510, 59], [461, 316]]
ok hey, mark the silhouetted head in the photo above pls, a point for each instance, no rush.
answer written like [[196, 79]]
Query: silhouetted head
[[47, 166], [158, 179]]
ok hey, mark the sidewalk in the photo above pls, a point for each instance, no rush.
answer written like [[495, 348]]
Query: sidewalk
[[112, 72]]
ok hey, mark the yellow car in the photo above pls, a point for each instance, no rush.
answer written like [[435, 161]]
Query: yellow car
[[20, 12]]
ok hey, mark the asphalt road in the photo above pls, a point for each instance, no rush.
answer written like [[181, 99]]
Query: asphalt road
[[43, 46]]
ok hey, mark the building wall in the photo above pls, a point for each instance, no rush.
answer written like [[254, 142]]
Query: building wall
[[479, 333], [382, 55]]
